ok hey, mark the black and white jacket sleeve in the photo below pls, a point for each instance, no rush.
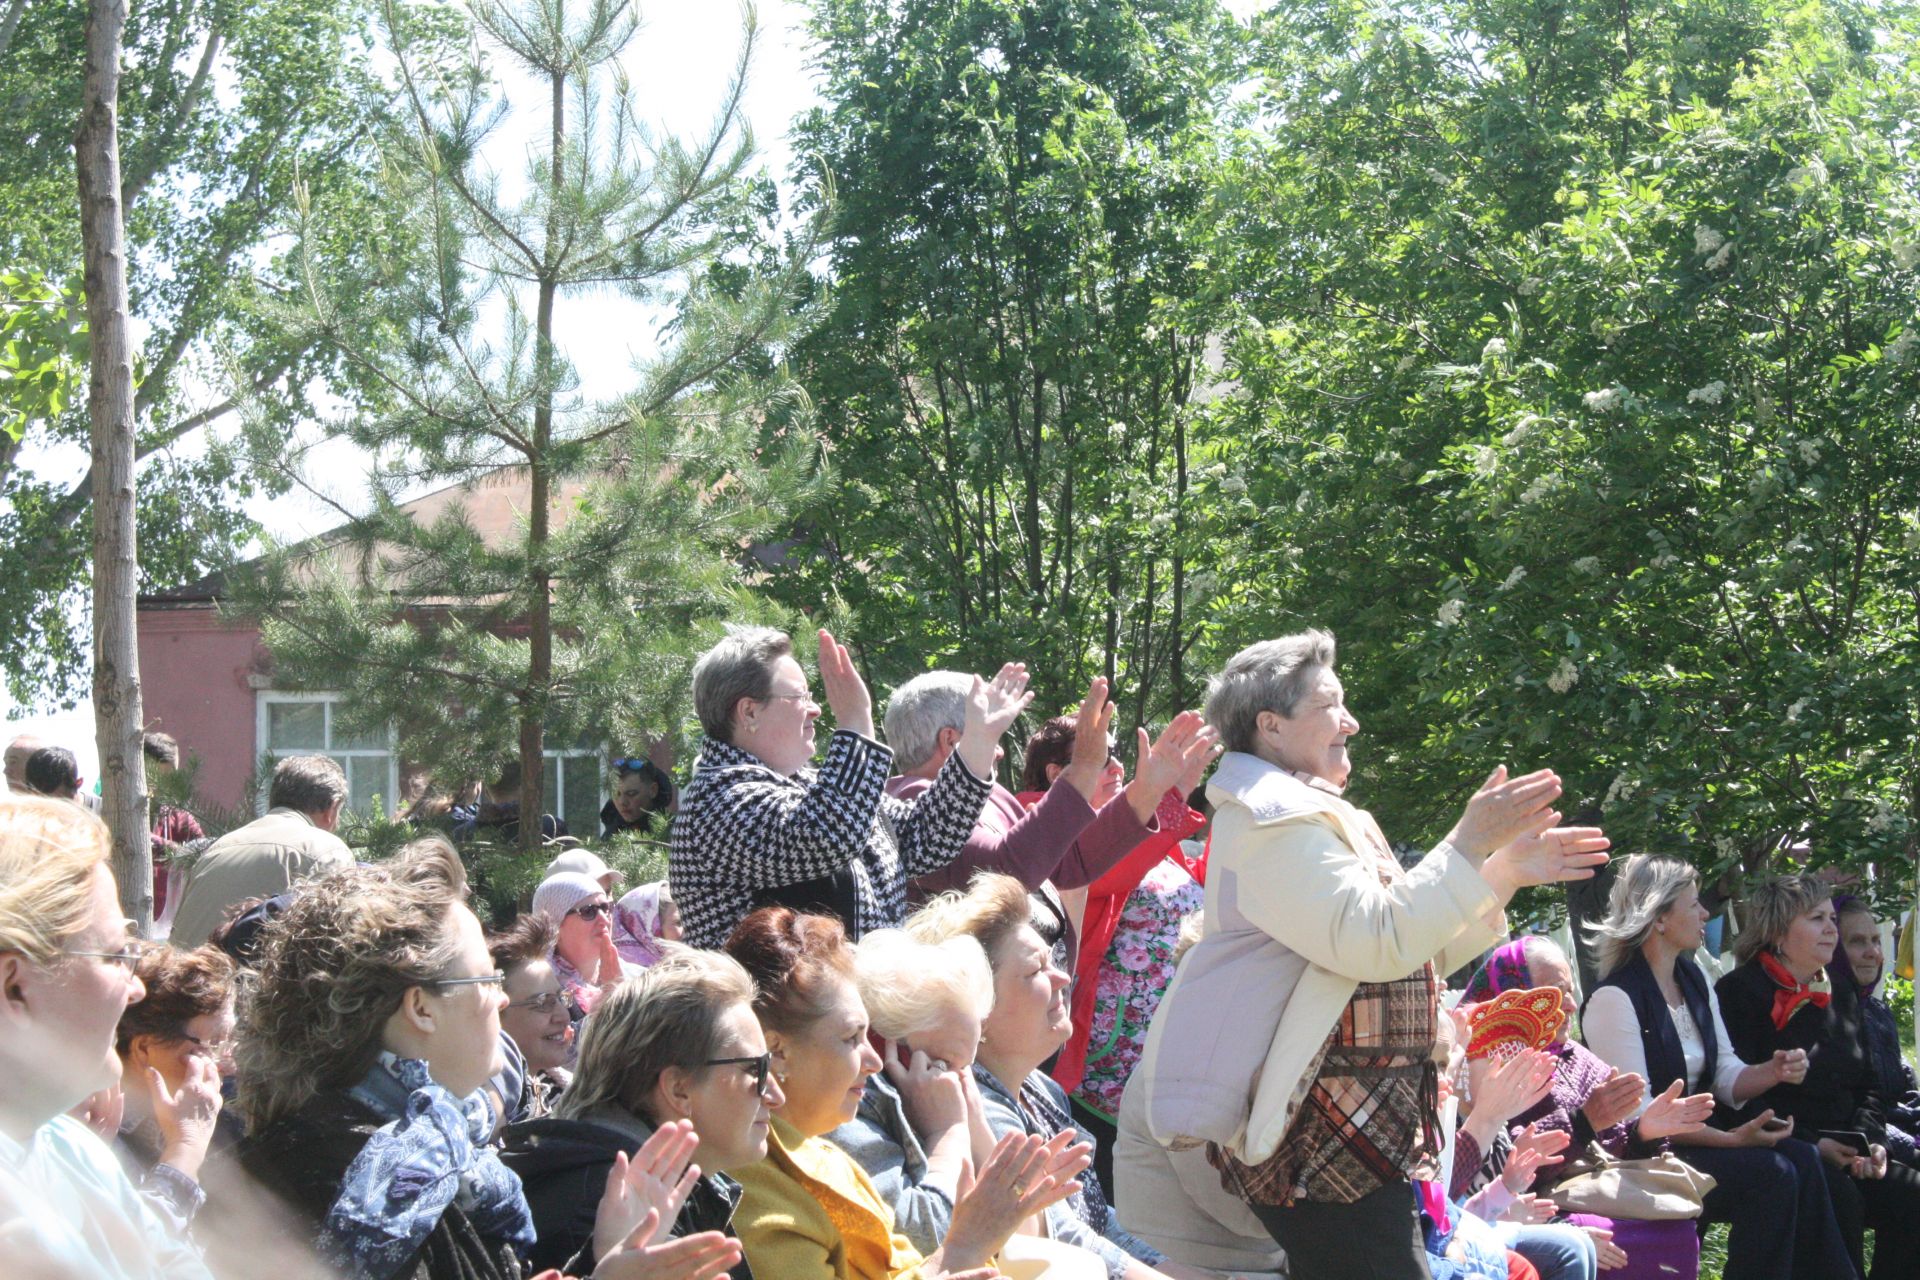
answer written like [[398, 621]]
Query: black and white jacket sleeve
[[933, 827]]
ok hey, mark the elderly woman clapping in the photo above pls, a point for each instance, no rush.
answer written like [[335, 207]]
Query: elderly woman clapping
[[760, 826], [1318, 1095]]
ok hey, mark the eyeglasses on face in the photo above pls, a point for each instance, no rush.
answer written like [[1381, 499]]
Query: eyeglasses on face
[[218, 1049], [126, 958], [494, 979], [758, 1066], [545, 1002], [788, 697], [588, 910]]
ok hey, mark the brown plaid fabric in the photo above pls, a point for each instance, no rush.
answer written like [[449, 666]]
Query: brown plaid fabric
[[1367, 1117]]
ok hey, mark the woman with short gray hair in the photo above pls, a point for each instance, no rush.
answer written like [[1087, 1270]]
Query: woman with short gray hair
[[1317, 1097], [759, 825]]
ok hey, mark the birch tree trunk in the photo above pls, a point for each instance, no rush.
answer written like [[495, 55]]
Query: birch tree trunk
[[118, 718]]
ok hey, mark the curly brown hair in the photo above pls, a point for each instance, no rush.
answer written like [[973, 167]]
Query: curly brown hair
[[181, 986], [529, 938], [334, 967], [1052, 743]]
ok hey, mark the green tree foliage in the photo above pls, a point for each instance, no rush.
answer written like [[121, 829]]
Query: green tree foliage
[[1010, 361], [1577, 393], [581, 622], [222, 106]]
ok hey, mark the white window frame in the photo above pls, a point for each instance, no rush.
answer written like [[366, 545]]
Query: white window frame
[[264, 697], [554, 803]]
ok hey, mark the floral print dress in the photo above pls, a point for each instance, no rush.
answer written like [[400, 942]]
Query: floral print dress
[[1138, 967]]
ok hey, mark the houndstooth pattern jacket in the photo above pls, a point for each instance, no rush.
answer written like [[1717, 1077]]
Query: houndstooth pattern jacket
[[828, 839]]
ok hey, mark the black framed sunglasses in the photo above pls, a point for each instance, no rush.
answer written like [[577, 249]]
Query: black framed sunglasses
[[759, 1066], [588, 910]]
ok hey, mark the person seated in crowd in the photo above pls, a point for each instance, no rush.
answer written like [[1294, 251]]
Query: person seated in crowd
[[55, 773], [67, 1208], [1062, 842], [1172, 1198], [175, 1046], [174, 828], [584, 956], [291, 842], [496, 817], [1653, 1015], [19, 751], [1028, 1023], [536, 1017], [758, 825], [589, 864], [916, 1127], [1781, 999], [808, 1211], [642, 794], [673, 1054], [645, 921], [1328, 954], [1593, 1101], [1862, 962]]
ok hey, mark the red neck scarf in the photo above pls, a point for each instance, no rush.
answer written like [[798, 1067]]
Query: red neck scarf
[[1792, 992]]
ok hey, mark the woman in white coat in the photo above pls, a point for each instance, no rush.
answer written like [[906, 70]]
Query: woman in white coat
[[1316, 1096]]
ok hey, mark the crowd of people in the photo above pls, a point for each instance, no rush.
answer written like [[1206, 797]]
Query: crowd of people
[[886, 1018]]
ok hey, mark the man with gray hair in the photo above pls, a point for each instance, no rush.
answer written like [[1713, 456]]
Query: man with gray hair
[[293, 841], [1063, 841]]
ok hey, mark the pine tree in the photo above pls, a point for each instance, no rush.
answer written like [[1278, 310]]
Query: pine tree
[[640, 508]]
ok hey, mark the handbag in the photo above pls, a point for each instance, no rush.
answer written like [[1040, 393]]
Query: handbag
[[1658, 1188]]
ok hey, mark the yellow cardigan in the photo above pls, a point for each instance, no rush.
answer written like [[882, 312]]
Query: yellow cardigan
[[808, 1212]]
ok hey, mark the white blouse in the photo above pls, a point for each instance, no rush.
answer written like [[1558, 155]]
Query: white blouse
[[1613, 1033]]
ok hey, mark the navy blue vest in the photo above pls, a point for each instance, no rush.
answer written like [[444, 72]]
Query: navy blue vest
[[1665, 1061]]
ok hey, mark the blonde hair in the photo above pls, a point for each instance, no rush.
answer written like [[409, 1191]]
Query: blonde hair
[[1772, 909], [907, 984], [1646, 888], [334, 967], [668, 1016], [991, 910], [48, 850]]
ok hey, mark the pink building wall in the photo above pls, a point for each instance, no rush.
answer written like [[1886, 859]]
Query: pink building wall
[[197, 682]]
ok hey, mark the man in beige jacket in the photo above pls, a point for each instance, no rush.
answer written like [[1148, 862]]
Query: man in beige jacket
[[291, 842]]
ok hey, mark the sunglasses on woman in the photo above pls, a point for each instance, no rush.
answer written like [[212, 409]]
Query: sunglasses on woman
[[757, 1066], [591, 910]]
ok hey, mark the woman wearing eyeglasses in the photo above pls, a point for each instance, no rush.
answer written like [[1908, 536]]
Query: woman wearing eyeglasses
[[584, 954], [175, 1046], [536, 1017], [66, 976], [679, 1043]]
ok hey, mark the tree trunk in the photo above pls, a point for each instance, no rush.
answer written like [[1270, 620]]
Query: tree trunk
[[116, 663]]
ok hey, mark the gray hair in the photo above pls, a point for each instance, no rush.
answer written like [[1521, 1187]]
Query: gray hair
[[739, 666], [907, 984], [1646, 888], [1273, 675], [920, 709], [1772, 909], [307, 784]]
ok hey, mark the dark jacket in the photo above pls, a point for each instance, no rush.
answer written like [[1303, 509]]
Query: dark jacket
[[612, 824], [563, 1165], [301, 1160], [1839, 1091]]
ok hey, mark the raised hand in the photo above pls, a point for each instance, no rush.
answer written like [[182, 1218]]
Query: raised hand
[[1534, 1150], [1177, 759], [102, 1112], [648, 1189], [186, 1119], [846, 692], [1529, 1210], [1613, 1101], [1091, 725], [1549, 857], [1023, 1176], [1502, 1088], [705, 1256], [1669, 1114], [934, 1097], [1504, 810], [992, 707]]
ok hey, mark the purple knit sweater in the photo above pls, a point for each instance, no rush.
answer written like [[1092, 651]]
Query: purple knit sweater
[[1576, 1074]]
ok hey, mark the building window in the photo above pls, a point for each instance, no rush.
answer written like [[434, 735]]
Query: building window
[[574, 788], [305, 724]]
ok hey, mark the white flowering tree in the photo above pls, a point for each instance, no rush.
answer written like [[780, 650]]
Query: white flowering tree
[[1578, 361]]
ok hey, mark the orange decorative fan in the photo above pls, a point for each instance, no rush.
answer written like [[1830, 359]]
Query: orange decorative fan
[[1515, 1020]]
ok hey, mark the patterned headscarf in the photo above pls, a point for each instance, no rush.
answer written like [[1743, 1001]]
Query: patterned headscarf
[[636, 924], [1505, 970]]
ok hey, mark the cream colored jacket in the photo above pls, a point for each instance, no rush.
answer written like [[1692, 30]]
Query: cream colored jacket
[[1297, 917]]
